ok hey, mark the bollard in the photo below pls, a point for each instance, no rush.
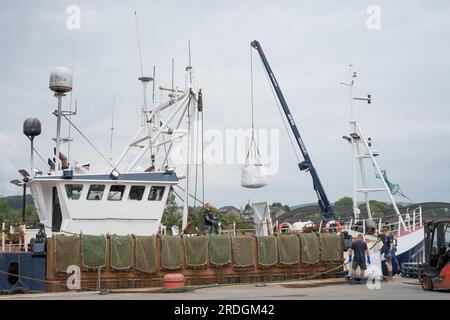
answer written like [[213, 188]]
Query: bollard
[[174, 281]]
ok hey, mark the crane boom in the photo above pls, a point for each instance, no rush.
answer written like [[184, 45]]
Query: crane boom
[[307, 165]]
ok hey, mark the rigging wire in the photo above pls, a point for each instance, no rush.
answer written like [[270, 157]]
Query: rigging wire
[[282, 118], [251, 89], [88, 141], [203, 162], [190, 195], [70, 106], [196, 157], [188, 143], [40, 156]]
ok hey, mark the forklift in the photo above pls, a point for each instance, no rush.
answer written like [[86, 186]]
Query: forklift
[[435, 272]]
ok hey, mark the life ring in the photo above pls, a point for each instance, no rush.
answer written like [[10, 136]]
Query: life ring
[[333, 225], [339, 226], [285, 225]]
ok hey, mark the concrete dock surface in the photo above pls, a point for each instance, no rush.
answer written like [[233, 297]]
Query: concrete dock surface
[[400, 288]]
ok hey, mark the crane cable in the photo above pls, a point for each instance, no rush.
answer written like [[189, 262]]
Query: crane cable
[[281, 114]]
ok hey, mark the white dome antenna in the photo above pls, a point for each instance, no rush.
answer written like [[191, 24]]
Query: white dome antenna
[[61, 80]]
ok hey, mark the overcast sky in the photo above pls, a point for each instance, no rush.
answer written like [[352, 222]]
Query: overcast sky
[[405, 65]]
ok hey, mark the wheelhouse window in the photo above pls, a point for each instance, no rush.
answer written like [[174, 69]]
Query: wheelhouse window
[[73, 191], [156, 193], [116, 193], [95, 192], [136, 192]]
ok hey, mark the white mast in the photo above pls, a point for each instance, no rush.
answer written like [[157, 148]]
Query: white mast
[[362, 150], [60, 83]]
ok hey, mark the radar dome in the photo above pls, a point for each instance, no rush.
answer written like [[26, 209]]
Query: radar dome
[[32, 127], [61, 80]]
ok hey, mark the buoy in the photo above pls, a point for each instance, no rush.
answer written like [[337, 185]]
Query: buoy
[[174, 281]]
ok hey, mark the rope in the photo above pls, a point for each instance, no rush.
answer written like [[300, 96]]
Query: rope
[[251, 88]]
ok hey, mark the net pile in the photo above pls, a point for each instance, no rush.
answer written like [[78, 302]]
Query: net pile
[[219, 250], [310, 248], [94, 251], [289, 249], [243, 251], [196, 251], [121, 252], [67, 252], [146, 259], [171, 253], [330, 247], [267, 251]]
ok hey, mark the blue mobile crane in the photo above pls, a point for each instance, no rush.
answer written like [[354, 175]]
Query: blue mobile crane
[[307, 164]]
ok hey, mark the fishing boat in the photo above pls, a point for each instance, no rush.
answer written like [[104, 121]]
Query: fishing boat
[[103, 223]]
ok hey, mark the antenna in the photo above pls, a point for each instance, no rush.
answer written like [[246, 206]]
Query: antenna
[[153, 89], [189, 49], [138, 39], [112, 127], [173, 76], [190, 63]]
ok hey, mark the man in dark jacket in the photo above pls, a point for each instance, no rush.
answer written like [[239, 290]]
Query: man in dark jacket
[[210, 221]]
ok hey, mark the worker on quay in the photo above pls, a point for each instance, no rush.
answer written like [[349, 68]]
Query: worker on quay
[[357, 255], [394, 254], [387, 250], [210, 221]]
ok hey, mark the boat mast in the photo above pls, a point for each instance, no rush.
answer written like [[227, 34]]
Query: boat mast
[[357, 138]]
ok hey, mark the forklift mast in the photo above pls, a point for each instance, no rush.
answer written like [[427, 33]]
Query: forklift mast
[[307, 164]]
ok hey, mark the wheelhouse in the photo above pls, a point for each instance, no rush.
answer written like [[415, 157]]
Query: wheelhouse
[[98, 204]]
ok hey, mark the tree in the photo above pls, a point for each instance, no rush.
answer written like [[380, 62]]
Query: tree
[[171, 216], [344, 202], [378, 208], [233, 217], [279, 205]]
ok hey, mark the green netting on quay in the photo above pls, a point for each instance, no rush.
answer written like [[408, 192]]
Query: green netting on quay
[[243, 251], [121, 252], [219, 250], [146, 256], [330, 247], [94, 251], [196, 251], [310, 248], [289, 246], [67, 252], [267, 251], [171, 253]]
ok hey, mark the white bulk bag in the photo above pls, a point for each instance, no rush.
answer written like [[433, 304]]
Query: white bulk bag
[[253, 173], [261, 218]]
